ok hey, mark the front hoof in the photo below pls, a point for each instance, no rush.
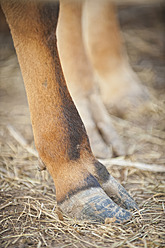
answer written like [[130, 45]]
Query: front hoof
[[93, 204]]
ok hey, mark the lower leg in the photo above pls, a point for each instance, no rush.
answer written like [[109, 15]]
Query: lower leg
[[59, 133]]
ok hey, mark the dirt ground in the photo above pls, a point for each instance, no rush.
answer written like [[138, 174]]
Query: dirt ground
[[27, 196]]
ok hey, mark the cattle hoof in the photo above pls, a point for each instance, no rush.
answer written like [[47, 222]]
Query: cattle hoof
[[93, 204]]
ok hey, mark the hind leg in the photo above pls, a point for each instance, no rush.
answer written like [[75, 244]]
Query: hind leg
[[81, 81], [120, 87]]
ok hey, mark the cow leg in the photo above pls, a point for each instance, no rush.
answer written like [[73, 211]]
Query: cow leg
[[119, 85], [59, 133], [82, 83]]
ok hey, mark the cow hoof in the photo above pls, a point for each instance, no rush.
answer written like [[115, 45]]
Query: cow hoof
[[93, 204]]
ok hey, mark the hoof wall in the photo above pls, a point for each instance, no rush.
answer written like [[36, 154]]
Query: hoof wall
[[100, 208], [93, 204]]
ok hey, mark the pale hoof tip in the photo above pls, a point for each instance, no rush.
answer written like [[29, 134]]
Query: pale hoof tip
[[132, 205]]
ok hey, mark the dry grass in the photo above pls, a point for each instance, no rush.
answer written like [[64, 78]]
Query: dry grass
[[27, 196], [28, 217]]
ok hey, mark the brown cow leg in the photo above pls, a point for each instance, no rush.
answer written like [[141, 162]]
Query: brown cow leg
[[59, 133], [120, 87]]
